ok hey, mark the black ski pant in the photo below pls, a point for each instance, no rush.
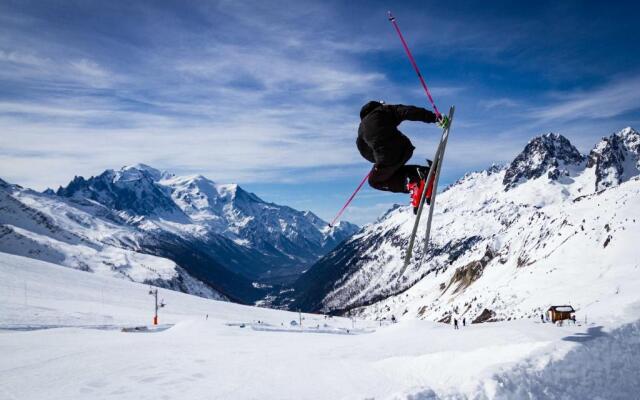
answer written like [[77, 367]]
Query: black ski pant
[[393, 178]]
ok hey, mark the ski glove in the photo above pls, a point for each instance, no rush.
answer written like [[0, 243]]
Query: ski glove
[[443, 122]]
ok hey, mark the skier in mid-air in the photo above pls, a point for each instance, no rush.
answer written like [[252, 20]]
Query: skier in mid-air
[[380, 142]]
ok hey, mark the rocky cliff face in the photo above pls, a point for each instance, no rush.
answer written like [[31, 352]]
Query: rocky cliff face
[[616, 158], [550, 154]]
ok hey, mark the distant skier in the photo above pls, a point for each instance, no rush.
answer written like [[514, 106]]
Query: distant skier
[[455, 323], [380, 142], [464, 322]]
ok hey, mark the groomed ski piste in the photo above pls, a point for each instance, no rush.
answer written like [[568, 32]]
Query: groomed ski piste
[[67, 334]]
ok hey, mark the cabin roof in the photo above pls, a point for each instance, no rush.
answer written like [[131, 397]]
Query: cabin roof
[[562, 309]]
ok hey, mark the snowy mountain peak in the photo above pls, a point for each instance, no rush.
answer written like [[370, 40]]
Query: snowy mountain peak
[[128, 174], [250, 221], [200, 197], [138, 170], [199, 193], [315, 220], [230, 190], [631, 139], [628, 131], [131, 190], [616, 158], [547, 154]]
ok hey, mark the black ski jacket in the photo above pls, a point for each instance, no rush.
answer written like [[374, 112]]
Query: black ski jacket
[[380, 141]]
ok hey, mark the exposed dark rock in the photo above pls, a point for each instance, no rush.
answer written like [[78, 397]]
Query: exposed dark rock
[[549, 154], [456, 248], [464, 276], [446, 319], [485, 316], [613, 155]]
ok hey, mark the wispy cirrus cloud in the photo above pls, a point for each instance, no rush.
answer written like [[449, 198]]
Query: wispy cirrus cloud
[[243, 111], [609, 100], [502, 102], [269, 93]]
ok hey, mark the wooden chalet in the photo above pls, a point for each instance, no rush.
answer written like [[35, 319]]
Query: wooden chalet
[[560, 313]]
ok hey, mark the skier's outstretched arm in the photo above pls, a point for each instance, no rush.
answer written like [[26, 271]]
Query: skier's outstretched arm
[[412, 113]]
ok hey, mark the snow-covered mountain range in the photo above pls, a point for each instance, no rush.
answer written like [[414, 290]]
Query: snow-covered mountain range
[[552, 227], [187, 233]]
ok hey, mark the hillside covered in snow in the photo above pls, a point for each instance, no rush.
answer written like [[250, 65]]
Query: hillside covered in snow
[[93, 339], [552, 227], [185, 233]]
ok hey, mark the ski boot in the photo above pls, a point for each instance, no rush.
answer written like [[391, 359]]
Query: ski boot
[[416, 188]]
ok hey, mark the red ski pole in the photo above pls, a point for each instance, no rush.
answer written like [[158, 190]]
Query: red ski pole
[[392, 19], [350, 198]]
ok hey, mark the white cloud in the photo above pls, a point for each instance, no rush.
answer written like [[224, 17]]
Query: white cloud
[[234, 112], [32, 66], [24, 59], [609, 100], [91, 72], [248, 93], [502, 102]]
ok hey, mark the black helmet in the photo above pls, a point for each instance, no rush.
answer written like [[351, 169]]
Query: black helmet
[[370, 106]]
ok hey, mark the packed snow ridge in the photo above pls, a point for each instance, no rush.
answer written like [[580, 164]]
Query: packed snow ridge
[[553, 227]]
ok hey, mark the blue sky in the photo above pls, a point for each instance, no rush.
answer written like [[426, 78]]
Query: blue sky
[[267, 94]]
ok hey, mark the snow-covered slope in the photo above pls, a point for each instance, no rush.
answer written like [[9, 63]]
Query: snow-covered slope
[[187, 233], [64, 341], [45, 228], [506, 243]]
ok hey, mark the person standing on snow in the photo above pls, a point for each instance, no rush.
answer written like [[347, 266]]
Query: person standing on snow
[[455, 323], [380, 142]]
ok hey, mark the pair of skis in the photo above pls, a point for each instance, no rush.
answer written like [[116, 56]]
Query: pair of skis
[[434, 169], [435, 165]]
